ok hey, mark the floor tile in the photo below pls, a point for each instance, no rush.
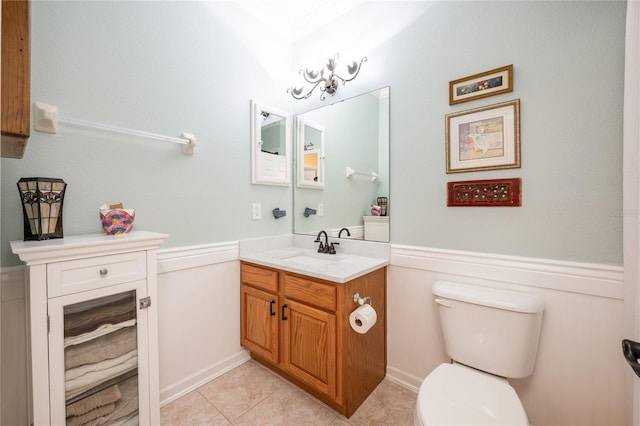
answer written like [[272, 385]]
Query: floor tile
[[253, 395], [388, 404], [341, 421], [192, 409], [242, 388], [288, 406]]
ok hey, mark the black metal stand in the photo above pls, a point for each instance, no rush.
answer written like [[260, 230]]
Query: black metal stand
[[631, 352]]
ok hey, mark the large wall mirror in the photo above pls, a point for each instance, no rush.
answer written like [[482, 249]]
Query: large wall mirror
[[270, 145], [354, 155]]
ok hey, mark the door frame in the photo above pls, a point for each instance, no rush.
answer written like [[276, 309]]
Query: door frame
[[631, 197]]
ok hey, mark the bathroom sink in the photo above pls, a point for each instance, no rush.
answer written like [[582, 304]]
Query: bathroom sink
[[311, 259], [286, 253]]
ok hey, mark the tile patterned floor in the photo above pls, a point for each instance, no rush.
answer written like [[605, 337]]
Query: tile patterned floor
[[253, 395]]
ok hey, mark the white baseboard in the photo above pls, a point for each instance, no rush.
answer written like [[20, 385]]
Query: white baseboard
[[401, 378], [198, 379]]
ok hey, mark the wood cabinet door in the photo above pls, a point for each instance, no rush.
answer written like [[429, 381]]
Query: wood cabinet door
[[310, 346], [259, 322]]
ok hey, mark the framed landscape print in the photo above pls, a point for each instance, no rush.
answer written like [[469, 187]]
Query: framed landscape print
[[488, 83], [485, 138]]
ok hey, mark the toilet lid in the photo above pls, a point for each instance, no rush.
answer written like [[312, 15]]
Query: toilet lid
[[453, 394]]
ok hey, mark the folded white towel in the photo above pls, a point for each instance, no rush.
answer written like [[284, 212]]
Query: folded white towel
[[83, 378], [100, 331]]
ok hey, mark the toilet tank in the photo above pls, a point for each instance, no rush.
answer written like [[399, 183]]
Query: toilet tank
[[492, 330]]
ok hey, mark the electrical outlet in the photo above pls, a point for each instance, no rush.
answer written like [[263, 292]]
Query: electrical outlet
[[320, 210], [256, 211]]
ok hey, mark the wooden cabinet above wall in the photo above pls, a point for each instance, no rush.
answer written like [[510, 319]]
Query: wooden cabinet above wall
[[16, 77]]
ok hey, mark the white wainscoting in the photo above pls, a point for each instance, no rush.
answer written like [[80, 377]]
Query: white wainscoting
[[199, 316], [579, 373], [582, 278], [13, 356]]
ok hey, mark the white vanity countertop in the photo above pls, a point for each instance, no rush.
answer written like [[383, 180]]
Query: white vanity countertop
[[298, 254]]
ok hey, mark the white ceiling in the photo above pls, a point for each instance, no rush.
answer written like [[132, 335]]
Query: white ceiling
[[298, 17]]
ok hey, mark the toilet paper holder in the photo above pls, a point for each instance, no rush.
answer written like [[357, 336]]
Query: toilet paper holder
[[361, 300]]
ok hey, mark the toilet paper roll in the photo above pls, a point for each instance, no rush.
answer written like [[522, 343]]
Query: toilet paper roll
[[363, 318]]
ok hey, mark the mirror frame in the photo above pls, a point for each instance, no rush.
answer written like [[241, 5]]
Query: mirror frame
[[301, 125], [257, 177]]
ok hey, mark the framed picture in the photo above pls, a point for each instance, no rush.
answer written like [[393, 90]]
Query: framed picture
[[485, 138], [488, 83]]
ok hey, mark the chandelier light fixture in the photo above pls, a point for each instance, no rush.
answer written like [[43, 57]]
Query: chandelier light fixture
[[326, 78]]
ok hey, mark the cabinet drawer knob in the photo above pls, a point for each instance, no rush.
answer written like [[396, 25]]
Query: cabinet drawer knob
[[104, 271]]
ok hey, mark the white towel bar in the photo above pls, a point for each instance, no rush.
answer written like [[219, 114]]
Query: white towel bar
[[46, 120], [351, 172]]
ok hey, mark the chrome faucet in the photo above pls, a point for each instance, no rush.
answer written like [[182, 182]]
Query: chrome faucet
[[344, 229], [326, 247]]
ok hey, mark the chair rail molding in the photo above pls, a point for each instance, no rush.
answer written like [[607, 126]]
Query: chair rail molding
[[575, 277], [175, 259]]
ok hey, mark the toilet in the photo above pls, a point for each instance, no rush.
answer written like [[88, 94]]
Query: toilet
[[490, 335]]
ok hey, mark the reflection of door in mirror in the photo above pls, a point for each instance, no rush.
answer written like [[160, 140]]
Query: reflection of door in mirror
[[311, 160], [270, 145], [311, 166]]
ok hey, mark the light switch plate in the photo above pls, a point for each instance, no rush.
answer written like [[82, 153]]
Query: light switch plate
[[256, 211]]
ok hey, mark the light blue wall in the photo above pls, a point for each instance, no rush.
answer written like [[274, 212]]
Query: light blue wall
[[161, 67], [171, 67], [568, 62]]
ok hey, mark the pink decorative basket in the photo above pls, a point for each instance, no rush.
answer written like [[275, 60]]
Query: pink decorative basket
[[117, 221]]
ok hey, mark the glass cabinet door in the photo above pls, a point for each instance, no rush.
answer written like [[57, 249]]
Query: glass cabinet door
[[97, 340]]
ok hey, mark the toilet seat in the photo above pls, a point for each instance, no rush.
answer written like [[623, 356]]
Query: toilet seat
[[454, 394]]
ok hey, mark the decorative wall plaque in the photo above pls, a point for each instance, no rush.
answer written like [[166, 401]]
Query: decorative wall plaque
[[484, 193]]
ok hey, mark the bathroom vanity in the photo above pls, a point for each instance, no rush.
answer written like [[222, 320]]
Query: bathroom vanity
[[298, 325]]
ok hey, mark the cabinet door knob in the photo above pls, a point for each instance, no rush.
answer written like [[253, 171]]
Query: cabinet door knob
[[104, 271], [271, 312], [284, 317]]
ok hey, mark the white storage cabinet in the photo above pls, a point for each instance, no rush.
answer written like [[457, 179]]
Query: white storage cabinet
[[92, 320]]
